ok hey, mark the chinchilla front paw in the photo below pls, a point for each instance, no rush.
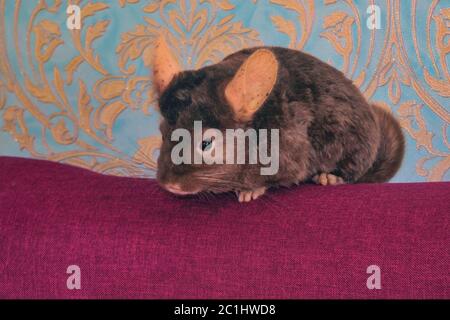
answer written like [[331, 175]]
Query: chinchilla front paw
[[248, 195]]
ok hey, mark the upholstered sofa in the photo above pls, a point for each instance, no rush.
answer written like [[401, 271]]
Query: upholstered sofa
[[130, 239]]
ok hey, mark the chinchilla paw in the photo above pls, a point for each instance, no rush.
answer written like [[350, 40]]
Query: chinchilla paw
[[327, 179], [248, 195]]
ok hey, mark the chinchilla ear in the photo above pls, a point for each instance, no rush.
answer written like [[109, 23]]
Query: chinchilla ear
[[252, 84], [165, 65]]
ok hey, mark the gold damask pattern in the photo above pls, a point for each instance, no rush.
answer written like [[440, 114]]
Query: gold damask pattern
[[85, 97]]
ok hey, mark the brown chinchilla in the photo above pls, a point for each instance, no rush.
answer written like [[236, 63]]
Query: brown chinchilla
[[328, 133]]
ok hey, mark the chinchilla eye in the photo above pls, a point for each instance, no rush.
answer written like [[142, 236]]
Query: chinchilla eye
[[207, 144]]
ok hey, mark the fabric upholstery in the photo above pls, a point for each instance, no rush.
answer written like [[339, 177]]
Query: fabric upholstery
[[133, 240]]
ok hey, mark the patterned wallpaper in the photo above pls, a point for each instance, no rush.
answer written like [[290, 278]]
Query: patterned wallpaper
[[84, 96]]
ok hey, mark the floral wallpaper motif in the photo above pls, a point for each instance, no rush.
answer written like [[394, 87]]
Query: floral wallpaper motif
[[85, 97]]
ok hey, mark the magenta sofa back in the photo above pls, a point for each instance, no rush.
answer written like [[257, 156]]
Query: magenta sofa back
[[130, 239]]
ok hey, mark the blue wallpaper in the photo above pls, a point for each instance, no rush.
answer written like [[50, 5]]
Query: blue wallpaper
[[85, 97]]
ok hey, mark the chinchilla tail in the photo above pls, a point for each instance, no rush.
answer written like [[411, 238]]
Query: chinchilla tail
[[390, 151]]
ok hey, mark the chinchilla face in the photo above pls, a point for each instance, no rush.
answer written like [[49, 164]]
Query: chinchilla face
[[198, 107], [190, 109]]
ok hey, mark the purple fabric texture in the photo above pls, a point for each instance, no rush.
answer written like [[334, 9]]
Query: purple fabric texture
[[133, 240]]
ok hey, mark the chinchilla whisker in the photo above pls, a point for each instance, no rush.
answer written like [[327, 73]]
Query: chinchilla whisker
[[200, 196], [207, 196], [270, 204], [222, 182], [276, 204]]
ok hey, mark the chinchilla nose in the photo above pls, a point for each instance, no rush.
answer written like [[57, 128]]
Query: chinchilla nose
[[175, 188]]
